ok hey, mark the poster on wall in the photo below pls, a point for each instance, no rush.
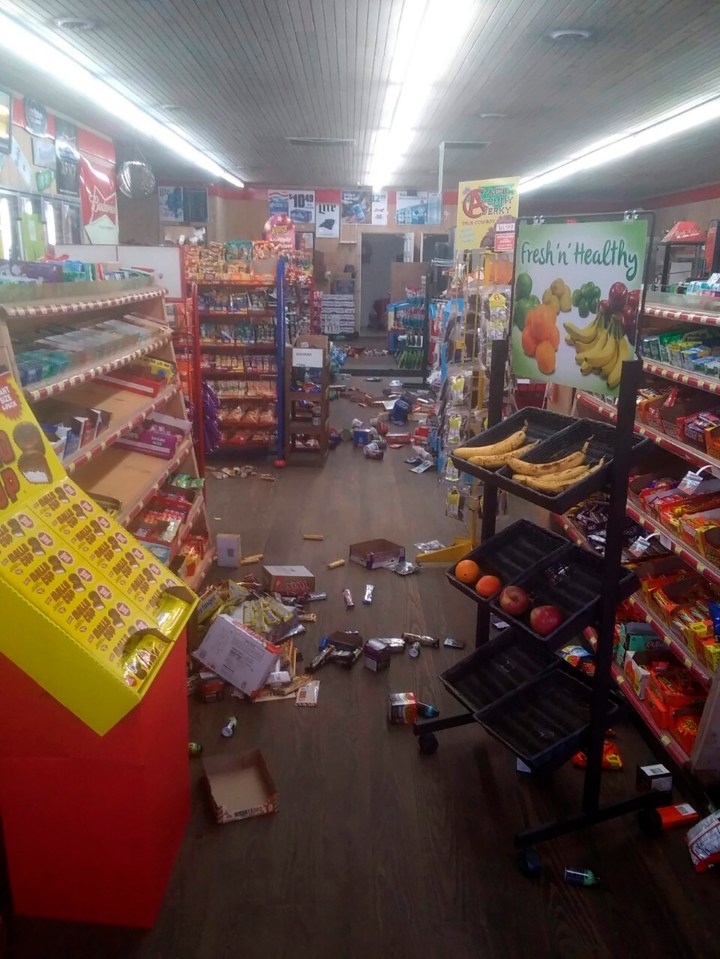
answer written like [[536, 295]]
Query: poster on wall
[[280, 231], [486, 214], [5, 122], [301, 206], [356, 206], [411, 208], [43, 153], [577, 295], [67, 171], [98, 201], [379, 209], [36, 117], [278, 202], [171, 202], [327, 221]]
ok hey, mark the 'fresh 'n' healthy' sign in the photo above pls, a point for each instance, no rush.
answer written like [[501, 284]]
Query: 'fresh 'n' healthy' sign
[[576, 300]]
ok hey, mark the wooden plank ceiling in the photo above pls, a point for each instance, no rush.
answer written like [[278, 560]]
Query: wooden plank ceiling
[[247, 74]]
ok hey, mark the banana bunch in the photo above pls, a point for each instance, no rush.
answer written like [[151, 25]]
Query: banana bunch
[[497, 454], [600, 348], [556, 475]]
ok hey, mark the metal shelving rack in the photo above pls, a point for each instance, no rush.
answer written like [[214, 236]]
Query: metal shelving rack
[[591, 811], [245, 351], [99, 467]]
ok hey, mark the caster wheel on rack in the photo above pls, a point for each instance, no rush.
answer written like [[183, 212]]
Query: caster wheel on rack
[[529, 863], [428, 743]]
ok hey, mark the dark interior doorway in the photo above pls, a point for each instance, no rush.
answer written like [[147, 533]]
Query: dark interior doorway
[[378, 252]]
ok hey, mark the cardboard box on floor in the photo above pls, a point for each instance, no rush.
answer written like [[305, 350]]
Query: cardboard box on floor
[[288, 580], [237, 655], [240, 786], [376, 553]]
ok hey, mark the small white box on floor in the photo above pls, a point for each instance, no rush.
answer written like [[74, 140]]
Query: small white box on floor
[[228, 549]]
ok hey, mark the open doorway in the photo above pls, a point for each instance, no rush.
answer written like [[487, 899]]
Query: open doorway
[[378, 252]]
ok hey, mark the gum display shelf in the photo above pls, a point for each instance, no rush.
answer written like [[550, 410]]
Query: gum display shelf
[[671, 541], [509, 554], [692, 454], [601, 440], [707, 383], [130, 477], [129, 408], [69, 380], [497, 668], [572, 580], [546, 721]]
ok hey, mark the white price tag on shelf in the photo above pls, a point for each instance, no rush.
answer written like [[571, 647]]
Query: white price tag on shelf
[[665, 739], [687, 662]]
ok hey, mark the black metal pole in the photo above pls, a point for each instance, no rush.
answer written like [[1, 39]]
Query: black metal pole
[[498, 362], [620, 474]]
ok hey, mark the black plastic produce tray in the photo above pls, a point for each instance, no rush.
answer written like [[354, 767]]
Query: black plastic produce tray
[[497, 668], [541, 424], [509, 554], [601, 437], [546, 721], [573, 581]]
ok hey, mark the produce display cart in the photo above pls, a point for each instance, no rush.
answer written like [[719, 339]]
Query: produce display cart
[[514, 686]]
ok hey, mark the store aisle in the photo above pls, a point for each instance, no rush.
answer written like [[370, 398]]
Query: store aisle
[[376, 850]]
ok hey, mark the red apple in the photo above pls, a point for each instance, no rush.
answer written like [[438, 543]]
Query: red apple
[[546, 619], [514, 601]]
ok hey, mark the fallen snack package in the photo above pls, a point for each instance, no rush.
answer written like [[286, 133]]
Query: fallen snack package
[[307, 695], [703, 841], [430, 547], [403, 567], [611, 757]]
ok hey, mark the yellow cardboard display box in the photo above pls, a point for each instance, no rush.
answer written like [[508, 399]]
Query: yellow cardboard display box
[[88, 613]]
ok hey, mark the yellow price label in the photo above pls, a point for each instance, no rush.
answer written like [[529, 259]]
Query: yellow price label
[[665, 739]]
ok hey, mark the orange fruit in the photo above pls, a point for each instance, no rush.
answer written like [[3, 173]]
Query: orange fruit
[[488, 586], [528, 343], [554, 338], [545, 357], [467, 571]]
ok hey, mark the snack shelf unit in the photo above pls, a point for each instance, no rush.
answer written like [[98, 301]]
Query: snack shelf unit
[[648, 615], [672, 746], [692, 454], [127, 478], [600, 613], [266, 289], [187, 356], [675, 375]]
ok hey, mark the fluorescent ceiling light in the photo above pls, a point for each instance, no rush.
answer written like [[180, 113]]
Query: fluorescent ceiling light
[[63, 64], [418, 63], [620, 145]]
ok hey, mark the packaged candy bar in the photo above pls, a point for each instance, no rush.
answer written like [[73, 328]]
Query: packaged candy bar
[[611, 757], [703, 841]]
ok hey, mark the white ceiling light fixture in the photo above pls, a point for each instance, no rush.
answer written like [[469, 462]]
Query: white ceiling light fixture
[[427, 37], [569, 33], [65, 66], [78, 24], [620, 145]]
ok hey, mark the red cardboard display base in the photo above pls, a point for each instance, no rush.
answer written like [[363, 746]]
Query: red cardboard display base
[[92, 824]]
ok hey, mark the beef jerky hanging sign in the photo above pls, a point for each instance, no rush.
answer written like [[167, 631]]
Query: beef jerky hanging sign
[[67, 157]]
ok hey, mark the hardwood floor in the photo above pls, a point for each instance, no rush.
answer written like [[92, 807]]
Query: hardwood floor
[[376, 850]]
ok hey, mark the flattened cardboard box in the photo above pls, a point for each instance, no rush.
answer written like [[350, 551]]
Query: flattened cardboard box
[[240, 786], [376, 553]]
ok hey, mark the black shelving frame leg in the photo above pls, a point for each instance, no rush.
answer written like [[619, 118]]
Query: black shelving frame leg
[[496, 395], [592, 812]]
